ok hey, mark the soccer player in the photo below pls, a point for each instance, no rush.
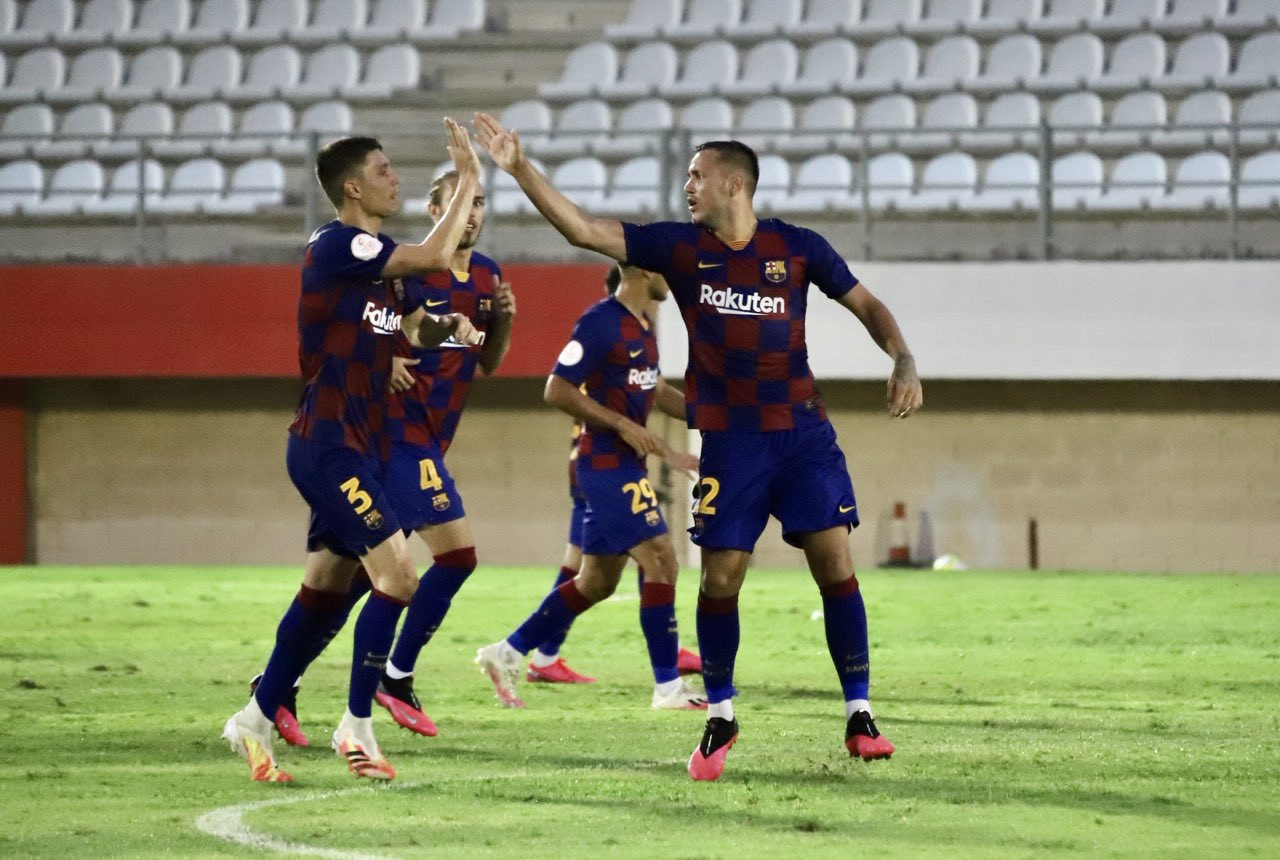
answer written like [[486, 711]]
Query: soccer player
[[607, 377], [349, 315], [767, 447]]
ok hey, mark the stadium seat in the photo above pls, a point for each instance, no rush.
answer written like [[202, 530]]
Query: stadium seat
[[942, 17], [822, 183], [1200, 63], [1067, 16], [1074, 63], [947, 183], [649, 69], [152, 73], [254, 185], [272, 21], [1077, 180], [43, 21], [949, 64], [392, 21], [1250, 16], [215, 21], [450, 19], [530, 117], [646, 19], [580, 128], [1135, 120], [1011, 182], [823, 17], [122, 196], [706, 19], [1257, 117], [582, 180], [71, 185], [24, 128], [1190, 16], [882, 18], [775, 181], [261, 127], [326, 120], [211, 73], [1137, 182], [1199, 121], [586, 69], [1129, 16], [823, 123], [81, 128], [1010, 121], [141, 125], [1135, 62], [765, 122], [706, 117], [331, 21], [271, 72], [8, 16], [763, 18], [92, 73], [889, 65], [884, 120], [1075, 119], [35, 74], [193, 188], [1259, 181], [639, 129], [827, 67], [635, 188], [1006, 16], [389, 70], [505, 196], [767, 67], [329, 72], [1201, 182], [200, 128], [707, 69], [157, 20], [1012, 63], [100, 21], [1258, 65], [944, 123], [20, 185], [890, 177]]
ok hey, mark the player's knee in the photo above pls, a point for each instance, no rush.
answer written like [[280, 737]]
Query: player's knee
[[462, 559], [595, 585]]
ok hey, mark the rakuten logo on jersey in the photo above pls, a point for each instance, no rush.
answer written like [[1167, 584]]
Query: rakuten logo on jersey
[[383, 320], [740, 303], [642, 379]]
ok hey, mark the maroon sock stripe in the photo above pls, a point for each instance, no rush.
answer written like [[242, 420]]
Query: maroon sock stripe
[[321, 601], [573, 598], [717, 605], [464, 558], [841, 589], [387, 597], [657, 594]]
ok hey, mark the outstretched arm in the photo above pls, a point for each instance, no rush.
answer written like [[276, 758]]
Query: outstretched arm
[[603, 235], [426, 330], [670, 400], [905, 394], [498, 339]]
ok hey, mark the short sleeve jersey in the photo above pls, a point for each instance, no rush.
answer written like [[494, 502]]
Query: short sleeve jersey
[[348, 325], [429, 412], [613, 355], [744, 310]]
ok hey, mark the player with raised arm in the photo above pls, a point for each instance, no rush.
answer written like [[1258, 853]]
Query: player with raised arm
[[349, 315], [607, 377], [767, 447]]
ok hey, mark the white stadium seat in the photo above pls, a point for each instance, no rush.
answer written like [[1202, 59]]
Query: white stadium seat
[[392, 21], [1260, 181], [92, 73], [889, 64], [1201, 182], [254, 185], [215, 21], [883, 121], [1075, 118], [122, 198], [765, 122], [1010, 182], [885, 17], [1128, 16], [505, 196], [827, 67], [774, 184], [1198, 122], [1250, 16], [646, 19], [1137, 182], [389, 70], [1077, 180], [212, 73], [639, 128], [152, 73], [946, 16], [1190, 16], [328, 120], [332, 21], [100, 21], [944, 123], [822, 182], [156, 21], [42, 21], [20, 185], [705, 19], [1067, 16], [648, 70], [586, 69], [823, 17], [1012, 63], [194, 187], [767, 68], [202, 127], [1258, 65], [949, 64], [1136, 118], [1074, 63], [35, 74], [582, 180], [1200, 62], [81, 128], [137, 128], [1135, 62], [531, 118], [271, 72], [272, 21], [1006, 16], [25, 128], [707, 117], [890, 177], [580, 128], [329, 72], [451, 18], [707, 69], [823, 123], [764, 18], [1009, 122], [262, 127], [71, 185], [635, 188], [947, 182], [1257, 117]]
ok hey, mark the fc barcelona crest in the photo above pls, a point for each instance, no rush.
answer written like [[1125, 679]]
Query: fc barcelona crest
[[373, 519], [775, 270], [440, 501]]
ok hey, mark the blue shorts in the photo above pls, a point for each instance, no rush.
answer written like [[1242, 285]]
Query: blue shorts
[[798, 476], [621, 510], [575, 520], [421, 490], [350, 512]]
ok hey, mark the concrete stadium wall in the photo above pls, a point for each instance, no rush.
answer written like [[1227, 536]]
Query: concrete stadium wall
[[1181, 476]]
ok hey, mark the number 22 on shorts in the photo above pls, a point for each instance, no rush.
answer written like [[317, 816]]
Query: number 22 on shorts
[[708, 489]]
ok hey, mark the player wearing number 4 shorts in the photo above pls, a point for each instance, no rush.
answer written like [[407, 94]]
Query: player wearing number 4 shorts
[[613, 357], [767, 449]]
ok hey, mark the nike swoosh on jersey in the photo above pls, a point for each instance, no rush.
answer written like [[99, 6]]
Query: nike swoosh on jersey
[[635, 354], [702, 265], [844, 509], [436, 303]]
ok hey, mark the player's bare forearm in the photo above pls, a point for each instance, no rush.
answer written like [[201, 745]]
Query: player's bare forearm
[[565, 396], [435, 252], [670, 400], [905, 393], [496, 343]]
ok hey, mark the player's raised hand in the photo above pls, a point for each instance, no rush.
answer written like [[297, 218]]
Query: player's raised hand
[[460, 149], [640, 439], [503, 146], [402, 377], [905, 394], [506, 299]]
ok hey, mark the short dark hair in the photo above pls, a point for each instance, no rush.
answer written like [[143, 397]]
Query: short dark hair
[[449, 177], [737, 155], [613, 279], [335, 162]]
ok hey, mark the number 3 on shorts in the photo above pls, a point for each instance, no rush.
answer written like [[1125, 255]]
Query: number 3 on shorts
[[358, 498], [708, 489], [642, 495]]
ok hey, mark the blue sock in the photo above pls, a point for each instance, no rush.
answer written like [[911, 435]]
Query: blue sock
[[375, 628], [845, 618], [658, 621], [431, 603], [302, 632], [551, 645], [718, 643], [360, 585], [557, 612]]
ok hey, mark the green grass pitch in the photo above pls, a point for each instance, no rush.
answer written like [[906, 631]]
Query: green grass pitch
[[1035, 715]]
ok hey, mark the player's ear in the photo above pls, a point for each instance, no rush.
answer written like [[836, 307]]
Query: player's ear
[[351, 187]]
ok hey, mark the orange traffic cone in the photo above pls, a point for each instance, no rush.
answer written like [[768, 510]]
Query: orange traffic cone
[[899, 540]]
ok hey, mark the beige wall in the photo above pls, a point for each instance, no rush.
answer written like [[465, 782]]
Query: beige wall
[[1141, 476]]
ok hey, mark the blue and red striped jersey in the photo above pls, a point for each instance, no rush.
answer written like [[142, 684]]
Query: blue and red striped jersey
[[348, 326], [613, 354], [429, 413], [744, 309]]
